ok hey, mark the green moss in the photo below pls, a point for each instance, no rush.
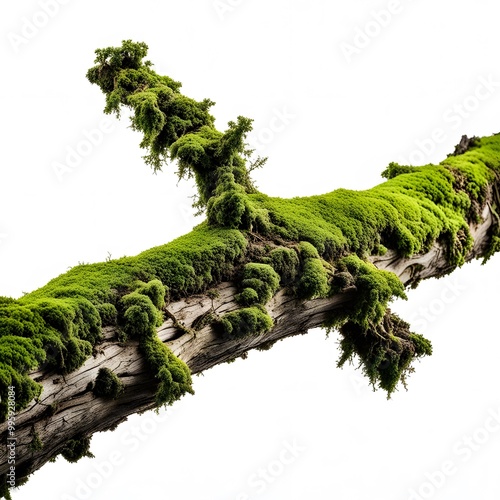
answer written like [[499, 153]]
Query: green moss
[[77, 448], [247, 321], [385, 349], [173, 375], [285, 262], [4, 488], [56, 326], [107, 384], [36, 443], [394, 169], [375, 289], [408, 213], [247, 297], [108, 314], [261, 278], [140, 320], [308, 251], [313, 280], [492, 249]]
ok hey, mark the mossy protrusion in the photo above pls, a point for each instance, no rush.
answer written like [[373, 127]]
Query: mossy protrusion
[[385, 349], [246, 321], [313, 281], [107, 384], [76, 449], [140, 319], [57, 326]]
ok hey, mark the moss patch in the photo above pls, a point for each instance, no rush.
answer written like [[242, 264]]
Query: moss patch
[[247, 321], [77, 448], [385, 350], [107, 384], [64, 318]]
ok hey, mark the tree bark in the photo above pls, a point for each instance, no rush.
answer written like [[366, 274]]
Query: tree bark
[[67, 407]]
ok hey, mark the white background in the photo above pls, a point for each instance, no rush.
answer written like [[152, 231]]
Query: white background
[[348, 113]]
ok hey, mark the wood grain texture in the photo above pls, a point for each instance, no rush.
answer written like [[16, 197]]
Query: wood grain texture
[[67, 407]]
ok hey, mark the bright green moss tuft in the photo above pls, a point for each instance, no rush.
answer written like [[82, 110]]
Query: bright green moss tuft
[[141, 318], [408, 213], [375, 288], [140, 315], [394, 169], [262, 278], [308, 251], [107, 384], [56, 326], [248, 321], [155, 291], [173, 375], [313, 280], [108, 314], [247, 297], [493, 248]]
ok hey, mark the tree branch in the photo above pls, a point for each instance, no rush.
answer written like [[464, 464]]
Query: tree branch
[[67, 407]]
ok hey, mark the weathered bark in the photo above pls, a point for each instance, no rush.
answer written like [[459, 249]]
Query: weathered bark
[[68, 408]]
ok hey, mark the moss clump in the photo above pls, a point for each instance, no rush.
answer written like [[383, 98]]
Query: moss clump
[[155, 290], [4, 488], [285, 262], [408, 213], [57, 325], [173, 375], [177, 127], [77, 448], [262, 279], [493, 248], [247, 321], [313, 281], [140, 320], [36, 443], [108, 314], [247, 297], [394, 169], [308, 251], [385, 350], [107, 384], [375, 288]]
